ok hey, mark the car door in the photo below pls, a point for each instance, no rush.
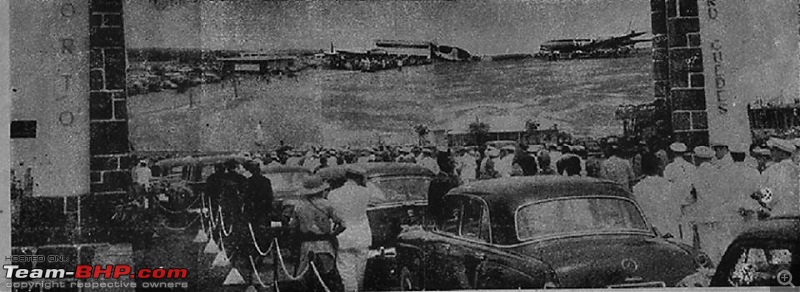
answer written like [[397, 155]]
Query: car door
[[438, 269], [473, 248]]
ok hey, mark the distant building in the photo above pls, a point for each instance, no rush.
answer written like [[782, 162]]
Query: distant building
[[502, 128], [257, 63]]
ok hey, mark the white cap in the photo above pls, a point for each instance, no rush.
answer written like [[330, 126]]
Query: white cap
[[678, 147], [781, 145]]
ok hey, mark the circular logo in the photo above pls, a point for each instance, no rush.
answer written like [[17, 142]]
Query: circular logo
[[630, 265], [784, 278]]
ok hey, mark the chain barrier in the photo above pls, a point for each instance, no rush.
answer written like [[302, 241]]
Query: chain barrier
[[222, 224], [316, 272], [283, 264], [255, 271], [213, 219], [255, 243], [164, 224]]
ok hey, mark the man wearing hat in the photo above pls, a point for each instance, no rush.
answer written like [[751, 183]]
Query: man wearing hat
[[702, 185], [679, 171], [351, 201], [316, 224], [782, 179]]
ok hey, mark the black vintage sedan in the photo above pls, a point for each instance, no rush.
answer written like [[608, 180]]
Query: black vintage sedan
[[541, 232], [403, 189], [765, 254]]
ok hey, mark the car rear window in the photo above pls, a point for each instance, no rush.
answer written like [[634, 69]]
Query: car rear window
[[403, 188], [285, 181], [578, 215]]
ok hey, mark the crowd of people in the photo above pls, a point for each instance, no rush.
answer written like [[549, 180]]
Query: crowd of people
[[701, 196]]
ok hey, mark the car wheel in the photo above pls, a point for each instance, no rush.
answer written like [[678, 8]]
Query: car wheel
[[407, 281]]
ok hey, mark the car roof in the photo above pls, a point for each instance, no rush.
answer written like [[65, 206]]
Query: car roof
[[781, 227], [284, 168], [376, 169], [519, 190], [205, 160]]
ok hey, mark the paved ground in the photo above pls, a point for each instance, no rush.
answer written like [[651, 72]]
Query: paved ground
[[173, 248]]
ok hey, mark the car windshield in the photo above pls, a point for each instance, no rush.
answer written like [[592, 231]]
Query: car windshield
[[571, 215], [759, 263], [401, 188], [285, 181]]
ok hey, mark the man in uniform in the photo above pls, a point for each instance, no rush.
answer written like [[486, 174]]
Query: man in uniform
[[316, 223], [782, 179]]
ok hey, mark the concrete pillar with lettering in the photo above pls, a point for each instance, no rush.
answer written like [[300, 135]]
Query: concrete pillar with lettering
[[750, 51]]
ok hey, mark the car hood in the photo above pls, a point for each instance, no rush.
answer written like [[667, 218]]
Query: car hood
[[598, 261]]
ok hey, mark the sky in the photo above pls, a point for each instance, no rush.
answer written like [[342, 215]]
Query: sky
[[478, 26]]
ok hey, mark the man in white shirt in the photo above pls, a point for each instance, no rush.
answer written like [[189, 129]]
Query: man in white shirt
[[659, 200], [506, 162], [141, 177], [428, 162], [351, 201]]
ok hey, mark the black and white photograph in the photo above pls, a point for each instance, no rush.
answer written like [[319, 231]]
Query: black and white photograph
[[335, 145]]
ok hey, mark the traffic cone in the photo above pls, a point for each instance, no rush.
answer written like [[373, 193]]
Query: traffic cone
[[250, 288], [200, 237], [234, 278], [211, 247], [221, 260]]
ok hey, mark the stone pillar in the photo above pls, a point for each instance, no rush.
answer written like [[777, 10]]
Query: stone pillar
[[109, 144], [678, 68]]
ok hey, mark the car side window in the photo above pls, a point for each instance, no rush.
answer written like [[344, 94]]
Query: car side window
[[451, 221], [475, 221], [759, 264]]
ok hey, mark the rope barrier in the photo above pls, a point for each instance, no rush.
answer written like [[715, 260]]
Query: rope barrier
[[203, 211], [283, 264], [316, 272], [255, 271], [222, 224], [163, 224], [255, 243], [211, 214]]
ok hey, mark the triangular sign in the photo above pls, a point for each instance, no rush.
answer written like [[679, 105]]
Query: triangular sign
[[221, 260], [234, 278], [250, 288], [211, 247], [200, 237]]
